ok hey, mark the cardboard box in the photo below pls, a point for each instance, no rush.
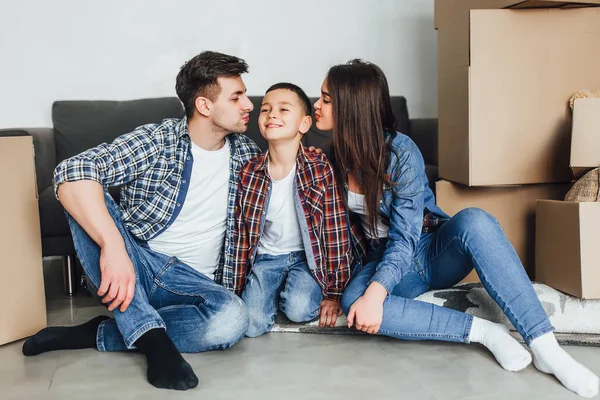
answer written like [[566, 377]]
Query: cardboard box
[[447, 10], [22, 297], [505, 79], [567, 250], [513, 207], [585, 138]]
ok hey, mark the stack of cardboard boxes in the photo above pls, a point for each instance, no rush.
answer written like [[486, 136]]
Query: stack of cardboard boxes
[[568, 234], [506, 71]]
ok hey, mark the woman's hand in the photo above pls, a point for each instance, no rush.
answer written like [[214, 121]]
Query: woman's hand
[[329, 311], [367, 312]]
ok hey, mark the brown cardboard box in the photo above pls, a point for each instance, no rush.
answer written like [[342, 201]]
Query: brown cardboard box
[[22, 297], [512, 206], [505, 78], [446, 10], [585, 138], [566, 250]]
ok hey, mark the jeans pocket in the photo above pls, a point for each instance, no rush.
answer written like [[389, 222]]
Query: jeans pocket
[[181, 279], [420, 270]]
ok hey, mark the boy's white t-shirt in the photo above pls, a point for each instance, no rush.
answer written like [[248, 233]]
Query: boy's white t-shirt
[[196, 236], [356, 204], [281, 234]]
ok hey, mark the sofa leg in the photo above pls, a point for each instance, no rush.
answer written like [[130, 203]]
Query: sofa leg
[[70, 279]]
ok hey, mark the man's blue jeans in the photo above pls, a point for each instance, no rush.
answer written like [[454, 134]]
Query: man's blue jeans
[[283, 282], [197, 313], [471, 239]]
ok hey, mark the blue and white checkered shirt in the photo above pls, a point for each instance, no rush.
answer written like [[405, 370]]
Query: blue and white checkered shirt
[[153, 165]]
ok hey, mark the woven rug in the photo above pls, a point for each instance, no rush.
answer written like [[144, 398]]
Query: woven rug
[[577, 322]]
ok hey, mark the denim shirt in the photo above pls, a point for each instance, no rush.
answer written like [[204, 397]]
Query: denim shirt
[[404, 204]]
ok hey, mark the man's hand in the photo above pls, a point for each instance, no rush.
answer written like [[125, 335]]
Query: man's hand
[[313, 149], [329, 312], [118, 277], [367, 312]]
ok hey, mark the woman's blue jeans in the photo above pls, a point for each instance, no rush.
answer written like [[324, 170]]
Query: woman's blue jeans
[[471, 239]]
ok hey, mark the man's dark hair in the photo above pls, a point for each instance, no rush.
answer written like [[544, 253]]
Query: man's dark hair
[[304, 100], [198, 77]]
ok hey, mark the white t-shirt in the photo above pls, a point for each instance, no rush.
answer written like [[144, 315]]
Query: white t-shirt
[[356, 203], [281, 234], [196, 236]]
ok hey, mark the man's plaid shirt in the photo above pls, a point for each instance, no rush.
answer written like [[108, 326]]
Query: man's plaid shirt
[[154, 164], [324, 223]]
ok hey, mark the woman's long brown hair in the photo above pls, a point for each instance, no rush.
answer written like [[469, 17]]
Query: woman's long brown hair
[[362, 112]]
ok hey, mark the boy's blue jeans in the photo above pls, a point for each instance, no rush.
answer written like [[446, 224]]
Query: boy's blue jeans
[[197, 313], [471, 239], [283, 282]]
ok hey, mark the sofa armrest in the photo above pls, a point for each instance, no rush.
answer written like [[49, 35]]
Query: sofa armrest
[[424, 132], [45, 152]]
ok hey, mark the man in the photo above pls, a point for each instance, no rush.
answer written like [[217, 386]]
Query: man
[[155, 260]]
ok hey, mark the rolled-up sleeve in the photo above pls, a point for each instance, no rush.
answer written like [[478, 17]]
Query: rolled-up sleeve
[[119, 162]]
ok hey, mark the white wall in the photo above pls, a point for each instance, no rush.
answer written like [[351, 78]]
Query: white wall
[[127, 49]]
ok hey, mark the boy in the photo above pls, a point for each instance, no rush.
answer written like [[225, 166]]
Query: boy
[[291, 241]]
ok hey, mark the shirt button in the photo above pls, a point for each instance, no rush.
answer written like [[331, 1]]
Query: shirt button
[[178, 204], [184, 181], [188, 159]]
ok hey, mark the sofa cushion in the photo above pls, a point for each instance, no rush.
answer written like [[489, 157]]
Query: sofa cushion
[[400, 110], [253, 132], [80, 125], [52, 214], [424, 132]]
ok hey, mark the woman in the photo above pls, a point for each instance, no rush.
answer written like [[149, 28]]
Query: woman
[[413, 246]]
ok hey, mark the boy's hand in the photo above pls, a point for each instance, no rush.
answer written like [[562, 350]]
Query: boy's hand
[[329, 311], [367, 312], [313, 149]]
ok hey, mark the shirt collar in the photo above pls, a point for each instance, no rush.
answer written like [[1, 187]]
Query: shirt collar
[[263, 161], [182, 128]]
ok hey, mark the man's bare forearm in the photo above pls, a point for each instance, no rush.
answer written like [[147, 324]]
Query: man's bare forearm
[[84, 200]]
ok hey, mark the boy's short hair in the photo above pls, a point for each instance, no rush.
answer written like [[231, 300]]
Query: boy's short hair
[[198, 77], [304, 100]]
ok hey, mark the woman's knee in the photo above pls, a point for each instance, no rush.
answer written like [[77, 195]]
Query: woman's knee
[[474, 219]]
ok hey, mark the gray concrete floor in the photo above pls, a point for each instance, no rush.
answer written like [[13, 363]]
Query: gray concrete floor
[[275, 366]]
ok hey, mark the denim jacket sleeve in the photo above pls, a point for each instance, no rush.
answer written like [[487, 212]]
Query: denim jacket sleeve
[[405, 216]]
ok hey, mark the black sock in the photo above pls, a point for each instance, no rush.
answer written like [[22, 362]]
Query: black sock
[[63, 338], [167, 368]]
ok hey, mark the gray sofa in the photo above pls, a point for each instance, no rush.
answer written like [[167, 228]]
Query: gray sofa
[[79, 125]]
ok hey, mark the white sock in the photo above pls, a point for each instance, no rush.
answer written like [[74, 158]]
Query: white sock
[[550, 358], [508, 352]]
